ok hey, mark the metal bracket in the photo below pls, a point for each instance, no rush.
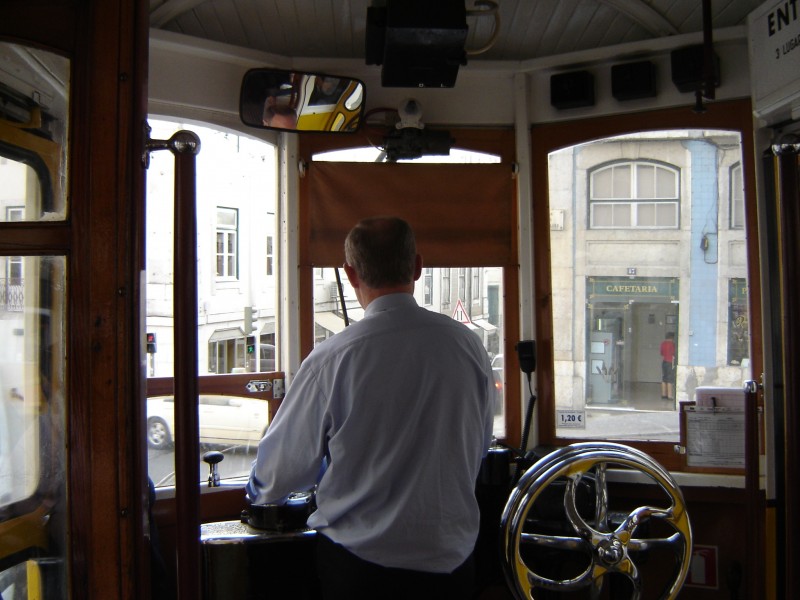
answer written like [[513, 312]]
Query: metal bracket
[[181, 142], [264, 385], [257, 385]]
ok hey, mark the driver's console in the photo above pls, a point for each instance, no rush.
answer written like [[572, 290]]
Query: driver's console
[[280, 518], [269, 552]]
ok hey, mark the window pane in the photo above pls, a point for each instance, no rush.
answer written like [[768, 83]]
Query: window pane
[[32, 412], [622, 182], [602, 184], [480, 309], [226, 218], [241, 173], [608, 328], [666, 183], [645, 214], [737, 198], [622, 215], [645, 181], [33, 169], [738, 326], [602, 215], [34, 518], [666, 214]]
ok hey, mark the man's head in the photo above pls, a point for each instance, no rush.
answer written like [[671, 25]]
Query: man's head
[[278, 114], [382, 253]]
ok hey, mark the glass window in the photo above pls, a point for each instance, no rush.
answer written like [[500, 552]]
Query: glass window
[[738, 325], [635, 182], [270, 256], [32, 410], [373, 154], [428, 286], [737, 197], [236, 297], [227, 243], [31, 373], [34, 524], [33, 168], [230, 423], [618, 294], [445, 278]]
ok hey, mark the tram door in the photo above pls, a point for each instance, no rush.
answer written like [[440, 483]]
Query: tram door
[[71, 503]]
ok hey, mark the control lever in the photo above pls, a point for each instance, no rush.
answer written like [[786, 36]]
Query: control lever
[[213, 458]]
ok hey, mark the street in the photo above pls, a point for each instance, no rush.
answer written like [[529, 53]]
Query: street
[[237, 462]]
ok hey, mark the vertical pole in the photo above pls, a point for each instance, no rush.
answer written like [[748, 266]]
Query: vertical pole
[[788, 187], [754, 538], [185, 145]]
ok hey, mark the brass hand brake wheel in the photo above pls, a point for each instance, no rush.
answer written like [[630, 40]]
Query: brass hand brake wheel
[[602, 543]]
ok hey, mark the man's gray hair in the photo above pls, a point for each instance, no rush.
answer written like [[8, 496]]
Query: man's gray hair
[[383, 251]]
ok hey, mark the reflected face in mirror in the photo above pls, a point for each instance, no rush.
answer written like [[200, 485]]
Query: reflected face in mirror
[[278, 115], [300, 101]]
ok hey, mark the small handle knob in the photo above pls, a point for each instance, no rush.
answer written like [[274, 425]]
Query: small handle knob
[[213, 458]]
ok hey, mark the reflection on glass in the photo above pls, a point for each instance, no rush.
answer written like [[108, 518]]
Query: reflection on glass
[[32, 415], [651, 250], [478, 305], [299, 101], [34, 87], [34, 91]]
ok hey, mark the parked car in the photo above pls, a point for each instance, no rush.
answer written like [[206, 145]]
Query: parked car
[[222, 420], [497, 362]]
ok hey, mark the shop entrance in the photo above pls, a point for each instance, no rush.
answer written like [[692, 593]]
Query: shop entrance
[[626, 329]]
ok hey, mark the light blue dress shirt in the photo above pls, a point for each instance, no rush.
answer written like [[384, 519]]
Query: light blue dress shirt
[[401, 402]]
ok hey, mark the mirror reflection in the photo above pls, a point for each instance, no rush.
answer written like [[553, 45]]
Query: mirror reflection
[[299, 101]]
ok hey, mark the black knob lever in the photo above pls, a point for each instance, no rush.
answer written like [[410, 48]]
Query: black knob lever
[[213, 458]]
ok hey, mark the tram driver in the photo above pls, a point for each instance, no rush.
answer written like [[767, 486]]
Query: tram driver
[[399, 405]]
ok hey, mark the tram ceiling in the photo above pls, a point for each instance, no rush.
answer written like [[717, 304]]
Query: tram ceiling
[[521, 30]]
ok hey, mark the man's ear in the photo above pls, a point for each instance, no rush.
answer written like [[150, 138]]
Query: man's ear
[[417, 267], [352, 276]]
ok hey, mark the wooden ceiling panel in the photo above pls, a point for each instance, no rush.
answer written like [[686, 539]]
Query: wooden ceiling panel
[[528, 29]]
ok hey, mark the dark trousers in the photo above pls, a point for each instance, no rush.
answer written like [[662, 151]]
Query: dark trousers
[[344, 576]]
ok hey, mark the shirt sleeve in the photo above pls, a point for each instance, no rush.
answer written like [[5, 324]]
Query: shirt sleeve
[[290, 455]]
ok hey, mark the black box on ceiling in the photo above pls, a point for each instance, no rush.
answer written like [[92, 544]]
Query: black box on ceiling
[[419, 43], [688, 73], [631, 81], [572, 90]]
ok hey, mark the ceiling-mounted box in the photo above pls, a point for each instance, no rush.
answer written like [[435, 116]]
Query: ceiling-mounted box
[[632, 81], [572, 90], [418, 43], [688, 68]]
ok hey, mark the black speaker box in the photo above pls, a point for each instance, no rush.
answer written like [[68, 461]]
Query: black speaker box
[[687, 68], [419, 43], [631, 81], [572, 90]]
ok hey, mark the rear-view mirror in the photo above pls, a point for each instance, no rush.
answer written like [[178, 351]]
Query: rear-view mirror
[[299, 101]]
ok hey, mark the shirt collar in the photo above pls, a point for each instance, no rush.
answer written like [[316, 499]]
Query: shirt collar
[[389, 302]]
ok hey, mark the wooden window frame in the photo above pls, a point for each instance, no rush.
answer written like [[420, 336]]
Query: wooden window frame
[[735, 115]]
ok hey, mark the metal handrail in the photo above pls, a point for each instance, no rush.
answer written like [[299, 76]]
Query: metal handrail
[[185, 145]]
